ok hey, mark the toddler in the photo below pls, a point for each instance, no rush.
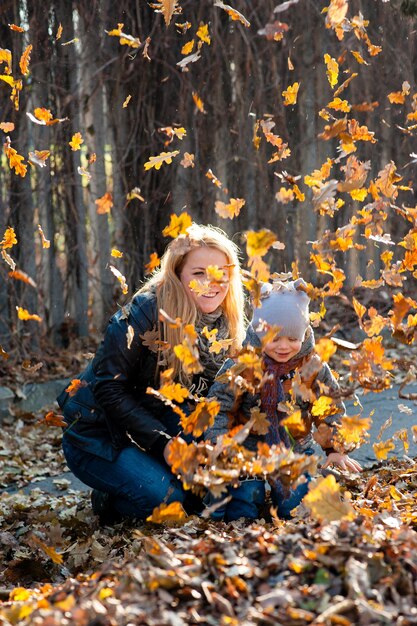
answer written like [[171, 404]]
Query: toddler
[[291, 350]]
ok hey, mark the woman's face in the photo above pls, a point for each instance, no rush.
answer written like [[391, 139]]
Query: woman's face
[[194, 269]]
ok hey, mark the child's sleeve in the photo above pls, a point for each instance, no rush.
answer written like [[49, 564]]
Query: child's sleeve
[[224, 394], [326, 384]]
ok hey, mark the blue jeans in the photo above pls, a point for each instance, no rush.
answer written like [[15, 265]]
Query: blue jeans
[[247, 499], [135, 480], [286, 501]]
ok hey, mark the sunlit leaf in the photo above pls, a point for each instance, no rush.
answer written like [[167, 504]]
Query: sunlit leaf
[[233, 14], [203, 33], [74, 386], [19, 275], [160, 159], [120, 278], [332, 69], [124, 38], [9, 238], [325, 502], [259, 242], [178, 225], [25, 60], [290, 94], [45, 242], [198, 102], [172, 512], [230, 210], [15, 160], [7, 127], [382, 449], [104, 204], [23, 314], [187, 160], [76, 142]]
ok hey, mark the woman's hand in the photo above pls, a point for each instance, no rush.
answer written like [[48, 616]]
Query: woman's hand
[[343, 461]]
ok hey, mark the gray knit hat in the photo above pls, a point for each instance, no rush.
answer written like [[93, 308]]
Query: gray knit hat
[[284, 305]]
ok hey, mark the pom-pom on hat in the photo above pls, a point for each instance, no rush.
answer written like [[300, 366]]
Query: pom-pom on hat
[[284, 305]]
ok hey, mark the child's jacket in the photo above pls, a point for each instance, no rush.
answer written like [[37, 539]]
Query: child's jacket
[[235, 407]]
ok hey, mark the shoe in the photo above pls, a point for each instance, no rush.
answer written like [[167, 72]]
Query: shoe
[[102, 507]]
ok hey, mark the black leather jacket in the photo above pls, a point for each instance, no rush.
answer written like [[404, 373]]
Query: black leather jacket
[[113, 407]]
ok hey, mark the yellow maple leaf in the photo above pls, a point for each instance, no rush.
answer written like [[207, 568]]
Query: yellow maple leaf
[[160, 159], [382, 449], [43, 114], [353, 429], [116, 253], [201, 418], [295, 424], [178, 225], [325, 348], [358, 194], [172, 512], [174, 391], [23, 314], [189, 357], [9, 238], [332, 69], [339, 105], [203, 34], [325, 502], [230, 210], [76, 142], [259, 242], [290, 94], [324, 406]]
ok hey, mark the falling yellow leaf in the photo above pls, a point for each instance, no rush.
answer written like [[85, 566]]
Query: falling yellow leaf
[[76, 142], [160, 159], [59, 32], [188, 47], [382, 449], [290, 94], [259, 242], [7, 127], [15, 160], [233, 14], [126, 102], [203, 34], [178, 225], [325, 502], [332, 69], [116, 253], [164, 513], [23, 314], [230, 210]]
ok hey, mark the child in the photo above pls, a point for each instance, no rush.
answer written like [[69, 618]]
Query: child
[[291, 351]]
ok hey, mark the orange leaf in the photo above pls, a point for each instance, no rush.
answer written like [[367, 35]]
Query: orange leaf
[[332, 69], [74, 386], [51, 419], [15, 160], [188, 47], [189, 357], [203, 34], [9, 238], [233, 14], [7, 127], [39, 157], [25, 60], [19, 275], [105, 203], [17, 29], [59, 32], [213, 178], [201, 418], [154, 261], [164, 513], [198, 102]]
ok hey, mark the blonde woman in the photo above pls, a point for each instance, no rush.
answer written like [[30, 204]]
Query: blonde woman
[[117, 434]]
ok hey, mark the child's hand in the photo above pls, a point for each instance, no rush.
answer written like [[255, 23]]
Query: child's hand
[[343, 461]]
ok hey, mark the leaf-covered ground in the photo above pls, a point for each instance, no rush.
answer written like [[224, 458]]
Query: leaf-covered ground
[[60, 566]]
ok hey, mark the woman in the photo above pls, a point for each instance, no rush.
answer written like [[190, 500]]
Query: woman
[[118, 435]]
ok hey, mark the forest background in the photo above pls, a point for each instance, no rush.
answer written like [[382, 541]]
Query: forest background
[[275, 139]]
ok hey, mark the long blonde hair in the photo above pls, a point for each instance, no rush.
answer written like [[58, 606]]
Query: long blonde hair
[[176, 302]]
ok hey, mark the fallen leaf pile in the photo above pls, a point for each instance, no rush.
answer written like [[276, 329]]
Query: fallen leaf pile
[[359, 571]]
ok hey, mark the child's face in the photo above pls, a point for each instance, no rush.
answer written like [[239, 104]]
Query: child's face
[[282, 349]]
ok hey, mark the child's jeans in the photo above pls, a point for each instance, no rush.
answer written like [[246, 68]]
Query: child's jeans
[[287, 500], [247, 499]]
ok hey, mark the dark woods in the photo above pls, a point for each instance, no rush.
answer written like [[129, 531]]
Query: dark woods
[[239, 78]]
